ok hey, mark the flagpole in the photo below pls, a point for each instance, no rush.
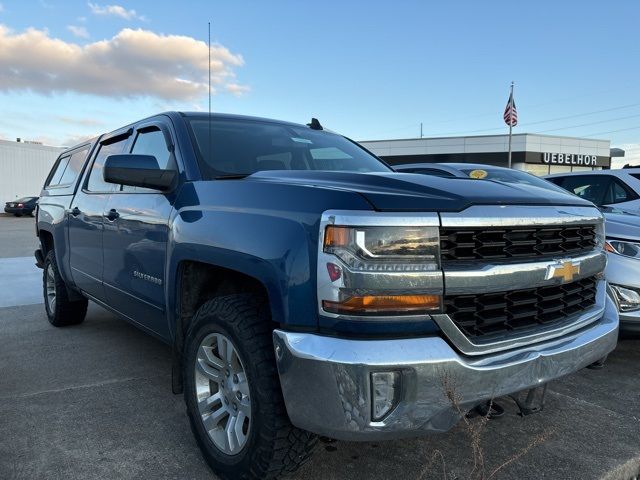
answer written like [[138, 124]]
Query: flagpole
[[510, 123]]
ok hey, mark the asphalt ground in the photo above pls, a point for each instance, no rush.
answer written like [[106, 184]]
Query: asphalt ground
[[94, 401]]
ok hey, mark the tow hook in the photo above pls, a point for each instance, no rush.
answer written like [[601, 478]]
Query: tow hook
[[533, 402], [597, 365], [491, 410]]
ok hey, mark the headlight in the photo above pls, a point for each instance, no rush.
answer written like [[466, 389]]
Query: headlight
[[390, 249], [626, 249], [376, 270], [628, 298]]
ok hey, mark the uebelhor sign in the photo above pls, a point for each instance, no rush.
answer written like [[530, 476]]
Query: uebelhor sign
[[570, 159]]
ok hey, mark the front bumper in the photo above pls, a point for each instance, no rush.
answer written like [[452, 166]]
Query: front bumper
[[326, 381], [18, 211]]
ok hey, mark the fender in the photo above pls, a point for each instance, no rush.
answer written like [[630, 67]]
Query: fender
[[255, 228]]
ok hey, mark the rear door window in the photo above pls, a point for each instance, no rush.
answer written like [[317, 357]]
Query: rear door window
[[620, 193], [74, 166], [54, 181]]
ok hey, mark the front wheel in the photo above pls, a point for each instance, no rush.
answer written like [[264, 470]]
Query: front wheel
[[61, 311], [233, 394]]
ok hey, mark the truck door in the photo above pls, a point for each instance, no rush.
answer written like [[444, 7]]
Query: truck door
[[86, 220], [135, 238]]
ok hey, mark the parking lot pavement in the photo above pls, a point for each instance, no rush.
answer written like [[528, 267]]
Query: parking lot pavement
[[17, 236], [94, 401]]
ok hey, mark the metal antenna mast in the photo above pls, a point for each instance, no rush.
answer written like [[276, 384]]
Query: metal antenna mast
[[209, 47]]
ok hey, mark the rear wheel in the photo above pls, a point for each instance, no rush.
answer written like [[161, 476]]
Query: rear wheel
[[233, 394], [60, 310]]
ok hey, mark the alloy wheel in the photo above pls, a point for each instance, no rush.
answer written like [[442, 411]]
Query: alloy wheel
[[222, 393], [50, 285]]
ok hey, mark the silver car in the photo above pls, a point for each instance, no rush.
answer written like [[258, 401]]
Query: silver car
[[623, 264], [611, 188]]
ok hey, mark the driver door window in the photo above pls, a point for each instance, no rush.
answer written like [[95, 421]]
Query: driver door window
[[152, 142], [96, 181], [594, 188]]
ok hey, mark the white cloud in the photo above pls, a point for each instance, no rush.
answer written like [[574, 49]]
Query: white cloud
[[80, 32], [236, 89], [75, 139], [134, 63], [115, 11], [87, 122]]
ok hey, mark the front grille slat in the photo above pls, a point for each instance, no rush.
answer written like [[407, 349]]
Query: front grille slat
[[504, 243], [508, 312]]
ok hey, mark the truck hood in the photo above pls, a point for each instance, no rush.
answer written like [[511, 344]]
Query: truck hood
[[416, 192]]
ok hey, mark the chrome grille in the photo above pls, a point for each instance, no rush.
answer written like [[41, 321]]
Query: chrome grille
[[505, 312], [467, 243]]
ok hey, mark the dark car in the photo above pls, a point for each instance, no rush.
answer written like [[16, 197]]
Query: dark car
[[478, 171], [22, 206]]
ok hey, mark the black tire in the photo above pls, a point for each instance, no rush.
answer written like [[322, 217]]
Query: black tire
[[274, 446], [64, 312]]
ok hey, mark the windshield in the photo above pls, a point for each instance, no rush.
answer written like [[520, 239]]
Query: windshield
[[510, 176], [243, 147], [25, 199]]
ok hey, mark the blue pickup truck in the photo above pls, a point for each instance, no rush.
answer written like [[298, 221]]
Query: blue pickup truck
[[307, 289]]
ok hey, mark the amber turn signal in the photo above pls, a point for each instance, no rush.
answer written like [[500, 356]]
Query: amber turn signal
[[336, 236], [384, 304]]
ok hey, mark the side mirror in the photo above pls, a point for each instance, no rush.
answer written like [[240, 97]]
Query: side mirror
[[137, 171]]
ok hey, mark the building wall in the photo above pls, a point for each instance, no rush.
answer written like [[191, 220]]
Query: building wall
[[528, 151], [23, 168]]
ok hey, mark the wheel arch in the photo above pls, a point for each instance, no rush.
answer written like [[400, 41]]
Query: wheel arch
[[194, 283]]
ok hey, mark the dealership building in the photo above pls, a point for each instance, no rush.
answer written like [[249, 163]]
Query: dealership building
[[537, 154]]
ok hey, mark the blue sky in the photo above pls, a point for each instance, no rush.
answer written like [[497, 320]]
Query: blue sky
[[367, 69]]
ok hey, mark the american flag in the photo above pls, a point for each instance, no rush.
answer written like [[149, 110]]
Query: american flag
[[510, 113]]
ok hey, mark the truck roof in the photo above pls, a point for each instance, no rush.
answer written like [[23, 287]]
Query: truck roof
[[238, 117]]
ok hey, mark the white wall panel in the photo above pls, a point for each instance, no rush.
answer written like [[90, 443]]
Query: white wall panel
[[23, 168]]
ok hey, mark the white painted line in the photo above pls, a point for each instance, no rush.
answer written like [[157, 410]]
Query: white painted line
[[20, 282]]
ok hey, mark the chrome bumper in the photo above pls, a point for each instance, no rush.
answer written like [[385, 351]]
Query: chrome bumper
[[326, 381]]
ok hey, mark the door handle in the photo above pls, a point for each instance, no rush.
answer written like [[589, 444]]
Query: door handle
[[112, 215], [75, 212]]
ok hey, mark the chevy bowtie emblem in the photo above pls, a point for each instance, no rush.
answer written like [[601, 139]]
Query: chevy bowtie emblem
[[564, 270]]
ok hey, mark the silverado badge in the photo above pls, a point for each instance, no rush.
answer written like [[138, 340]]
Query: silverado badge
[[565, 270]]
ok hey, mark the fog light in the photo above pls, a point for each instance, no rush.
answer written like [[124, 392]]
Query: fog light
[[385, 389], [628, 299]]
